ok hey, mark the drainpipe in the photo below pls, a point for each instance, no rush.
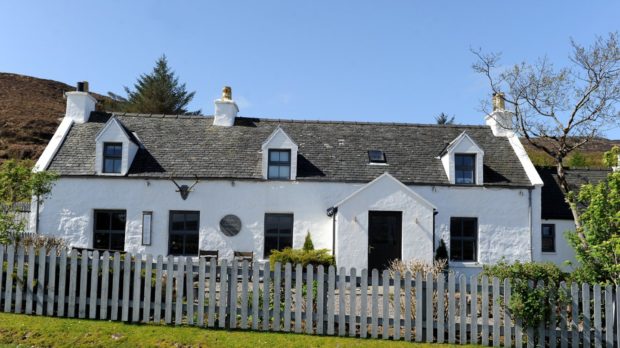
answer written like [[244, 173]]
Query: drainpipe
[[435, 212], [531, 223], [36, 222]]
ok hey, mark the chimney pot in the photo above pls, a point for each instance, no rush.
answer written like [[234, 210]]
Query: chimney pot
[[225, 109], [498, 101], [82, 86]]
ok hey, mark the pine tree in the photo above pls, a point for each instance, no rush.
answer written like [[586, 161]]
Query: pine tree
[[308, 245], [444, 119], [158, 92]]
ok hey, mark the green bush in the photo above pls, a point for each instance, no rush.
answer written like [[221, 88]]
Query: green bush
[[303, 257], [308, 245], [532, 305]]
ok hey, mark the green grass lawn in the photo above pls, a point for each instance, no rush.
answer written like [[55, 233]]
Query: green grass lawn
[[24, 330]]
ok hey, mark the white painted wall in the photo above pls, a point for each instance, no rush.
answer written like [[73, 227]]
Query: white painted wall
[[79, 106], [502, 214], [563, 251]]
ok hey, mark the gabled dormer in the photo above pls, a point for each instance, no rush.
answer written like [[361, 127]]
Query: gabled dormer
[[279, 160], [463, 161], [115, 149]]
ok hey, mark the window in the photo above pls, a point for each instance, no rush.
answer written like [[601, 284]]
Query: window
[[463, 239], [548, 238], [465, 169], [110, 229], [278, 232], [112, 157], [279, 164], [376, 156], [183, 238]]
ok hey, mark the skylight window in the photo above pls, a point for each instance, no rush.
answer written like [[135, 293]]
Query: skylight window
[[376, 156]]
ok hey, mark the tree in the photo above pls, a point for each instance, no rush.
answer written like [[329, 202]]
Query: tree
[[443, 118], [18, 183], [308, 245], [577, 160], [158, 92], [559, 110]]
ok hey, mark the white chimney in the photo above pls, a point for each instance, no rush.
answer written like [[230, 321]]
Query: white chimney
[[225, 109], [500, 120], [80, 103]]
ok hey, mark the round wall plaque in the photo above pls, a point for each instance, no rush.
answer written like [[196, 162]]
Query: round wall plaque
[[230, 225]]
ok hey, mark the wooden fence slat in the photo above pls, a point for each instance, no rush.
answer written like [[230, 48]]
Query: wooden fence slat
[[575, 315], [244, 294], [385, 278], [277, 281], [116, 275], [189, 289], [94, 286], [397, 306], [309, 299], [287, 297], [126, 287], [563, 319], [180, 285], [72, 284], [212, 291], [618, 314], [429, 307], [364, 304], [202, 266], [266, 295], [8, 289], [298, 298], [451, 309], [507, 314], [158, 289], [105, 278], [552, 326], [541, 325], [221, 319], [331, 284], [375, 304], [320, 299], [40, 295], [585, 295], [62, 274], [485, 310], [441, 309], [474, 309], [232, 289], [148, 286], [418, 307], [255, 295], [137, 286], [352, 302], [408, 306], [342, 293], [609, 317], [496, 318], [463, 309], [598, 337], [83, 284], [30, 285], [169, 284], [51, 285], [19, 280], [1, 272]]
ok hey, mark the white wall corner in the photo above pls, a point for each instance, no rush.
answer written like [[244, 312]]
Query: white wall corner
[[114, 132], [463, 144], [54, 145], [79, 106], [279, 140]]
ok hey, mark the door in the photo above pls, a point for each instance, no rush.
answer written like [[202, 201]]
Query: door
[[384, 238]]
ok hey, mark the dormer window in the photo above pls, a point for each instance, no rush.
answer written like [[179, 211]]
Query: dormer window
[[465, 169], [112, 157], [279, 165], [376, 156]]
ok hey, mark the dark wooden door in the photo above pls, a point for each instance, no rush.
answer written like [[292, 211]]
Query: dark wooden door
[[384, 238]]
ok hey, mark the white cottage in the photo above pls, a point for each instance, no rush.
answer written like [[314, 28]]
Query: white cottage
[[369, 192]]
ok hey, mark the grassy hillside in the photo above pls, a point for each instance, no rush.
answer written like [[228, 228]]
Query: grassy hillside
[[588, 156]]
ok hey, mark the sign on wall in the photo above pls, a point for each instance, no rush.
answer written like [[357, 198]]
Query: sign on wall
[[147, 219], [230, 225]]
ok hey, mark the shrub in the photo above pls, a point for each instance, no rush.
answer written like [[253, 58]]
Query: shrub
[[40, 240], [531, 304], [308, 245], [303, 257], [442, 252]]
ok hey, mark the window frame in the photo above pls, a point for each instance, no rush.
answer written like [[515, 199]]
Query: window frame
[[110, 231], [542, 237], [267, 253], [279, 164], [184, 233], [112, 157], [473, 168], [462, 239]]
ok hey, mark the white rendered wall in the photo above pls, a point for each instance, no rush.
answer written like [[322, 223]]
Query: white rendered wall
[[563, 251], [502, 214]]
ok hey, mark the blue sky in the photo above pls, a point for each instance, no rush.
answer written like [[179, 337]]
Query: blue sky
[[401, 61]]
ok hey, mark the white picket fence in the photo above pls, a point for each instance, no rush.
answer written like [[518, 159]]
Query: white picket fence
[[192, 291]]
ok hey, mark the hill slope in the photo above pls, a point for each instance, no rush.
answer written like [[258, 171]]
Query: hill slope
[[30, 110]]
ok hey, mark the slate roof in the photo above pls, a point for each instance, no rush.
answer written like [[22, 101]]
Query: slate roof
[[188, 146], [554, 205]]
